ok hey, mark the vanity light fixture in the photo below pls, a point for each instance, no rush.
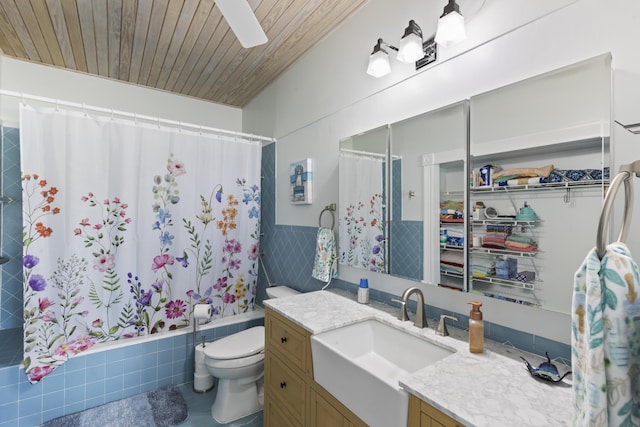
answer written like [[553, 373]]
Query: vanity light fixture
[[450, 25], [379, 59], [410, 49]]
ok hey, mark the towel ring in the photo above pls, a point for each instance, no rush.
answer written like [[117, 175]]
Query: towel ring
[[626, 173], [329, 208]]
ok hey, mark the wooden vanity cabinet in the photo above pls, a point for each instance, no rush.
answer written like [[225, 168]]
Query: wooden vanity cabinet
[[421, 414], [292, 398]]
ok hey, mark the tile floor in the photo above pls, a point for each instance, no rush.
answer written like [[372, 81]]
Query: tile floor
[[199, 405]]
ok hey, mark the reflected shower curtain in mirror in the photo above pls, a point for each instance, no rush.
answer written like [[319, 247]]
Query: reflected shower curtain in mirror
[[362, 222], [127, 226]]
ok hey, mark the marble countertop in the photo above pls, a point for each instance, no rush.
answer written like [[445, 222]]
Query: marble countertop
[[488, 389]]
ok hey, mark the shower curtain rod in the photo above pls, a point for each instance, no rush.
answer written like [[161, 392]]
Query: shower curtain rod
[[112, 112]]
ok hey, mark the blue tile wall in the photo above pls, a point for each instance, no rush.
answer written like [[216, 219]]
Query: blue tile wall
[[405, 240], [406, 249], [11, 242], [90, 380]]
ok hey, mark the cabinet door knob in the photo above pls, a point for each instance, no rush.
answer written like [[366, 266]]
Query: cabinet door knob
[[283, 384], [283, 340]]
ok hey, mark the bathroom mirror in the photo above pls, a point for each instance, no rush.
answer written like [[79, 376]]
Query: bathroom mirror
[[540, 158], [393, 240], [363, 212], [427, 151], [434, 158]]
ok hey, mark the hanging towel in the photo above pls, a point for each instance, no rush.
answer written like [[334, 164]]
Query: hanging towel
[[325, 266], [605, 340]]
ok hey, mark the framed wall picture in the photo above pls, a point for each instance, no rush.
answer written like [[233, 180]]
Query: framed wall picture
[[301, 180]]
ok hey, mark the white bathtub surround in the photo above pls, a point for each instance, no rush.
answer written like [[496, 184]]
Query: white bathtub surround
[[485, 389]]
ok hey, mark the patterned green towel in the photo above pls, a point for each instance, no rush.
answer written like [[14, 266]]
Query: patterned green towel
[[605, 340]]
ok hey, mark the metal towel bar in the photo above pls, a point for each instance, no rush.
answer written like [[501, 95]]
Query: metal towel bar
[[331, 209], [624, 175]]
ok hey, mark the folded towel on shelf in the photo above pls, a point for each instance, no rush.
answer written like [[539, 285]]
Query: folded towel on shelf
[[529, 248], [519, 246], [493, 242], [452, 257], [483, 267], [480, 275], [521, 239], [455, 232], [452, 268], [451, 211], [524, 172], [537, 180], [498, 228], [574, 175], [452, 262], [452, 204]]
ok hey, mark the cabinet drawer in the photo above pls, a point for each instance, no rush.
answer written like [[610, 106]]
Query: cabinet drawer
[[288, 339], [274, 416], [323, 414], [285, 388]]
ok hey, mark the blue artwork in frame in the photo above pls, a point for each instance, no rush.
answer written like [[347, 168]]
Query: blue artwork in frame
[[301, 179]]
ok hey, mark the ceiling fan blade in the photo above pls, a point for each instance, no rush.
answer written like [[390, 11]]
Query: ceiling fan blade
[[243, 22]]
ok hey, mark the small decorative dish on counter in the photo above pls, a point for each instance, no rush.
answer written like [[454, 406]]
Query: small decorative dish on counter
[[546, 371]]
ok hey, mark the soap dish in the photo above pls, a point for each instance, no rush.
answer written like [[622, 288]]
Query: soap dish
[[546, 371]]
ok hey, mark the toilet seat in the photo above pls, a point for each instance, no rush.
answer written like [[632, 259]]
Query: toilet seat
[[241, 344]]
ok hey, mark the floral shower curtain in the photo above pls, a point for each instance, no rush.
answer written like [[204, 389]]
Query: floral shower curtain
[[362, 223], [126, 226]]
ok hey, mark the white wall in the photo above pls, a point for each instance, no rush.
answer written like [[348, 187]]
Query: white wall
[[35, 79], [326, 96]]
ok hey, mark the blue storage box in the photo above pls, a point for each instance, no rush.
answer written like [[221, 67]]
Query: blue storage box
[[506, 268]]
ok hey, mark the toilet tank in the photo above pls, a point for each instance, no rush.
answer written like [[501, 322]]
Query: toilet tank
[[280, 291]]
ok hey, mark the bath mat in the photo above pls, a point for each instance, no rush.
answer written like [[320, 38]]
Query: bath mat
[[164, 407]]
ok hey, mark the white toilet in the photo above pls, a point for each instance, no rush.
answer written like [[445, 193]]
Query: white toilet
[[237, 361]]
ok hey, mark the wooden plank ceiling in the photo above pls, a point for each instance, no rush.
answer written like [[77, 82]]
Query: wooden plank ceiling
[[181, 46]]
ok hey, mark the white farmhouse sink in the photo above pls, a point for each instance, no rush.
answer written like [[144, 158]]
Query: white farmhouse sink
[[361, 364]]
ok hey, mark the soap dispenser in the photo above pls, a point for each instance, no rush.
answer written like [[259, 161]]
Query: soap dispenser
[[476, 328]]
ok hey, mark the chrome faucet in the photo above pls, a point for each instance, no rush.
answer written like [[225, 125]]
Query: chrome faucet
[[442, 326], [421, 318]]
